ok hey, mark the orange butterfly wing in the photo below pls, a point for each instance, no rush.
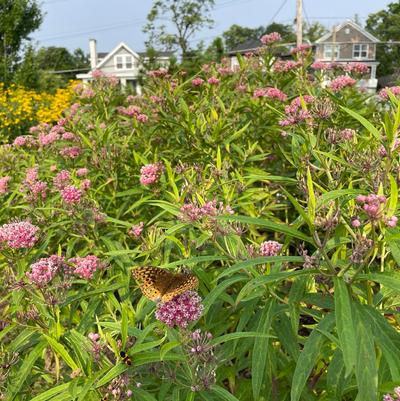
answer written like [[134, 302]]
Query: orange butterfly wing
[[160, 284]]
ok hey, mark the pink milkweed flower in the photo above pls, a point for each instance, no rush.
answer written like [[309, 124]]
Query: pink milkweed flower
[[270, 38], [321, 66], [96, 74], [48, 139], [94, 336], [341, 82], [71, 194], [20, 234], [357, 68], [304, 48], [81, 172], [270, 248], [38, 190], [213, 81], [181, 310], [86, 266], [197, 81], [150, 173], [286, 66], [72, 152], [86, 184], [136, 231], [4, 184], [32, 174], [272, 93], [355, 223], [69, 136], [62, 179], [391, 221], [383, 93], [142, 118], [45, 269]]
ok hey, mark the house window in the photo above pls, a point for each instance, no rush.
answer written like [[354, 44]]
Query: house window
[[124, 62], [360, 51], [328, 50], [128, 62], [119, 62]]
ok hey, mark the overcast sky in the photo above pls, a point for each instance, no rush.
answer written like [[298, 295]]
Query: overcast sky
[[71, 23]]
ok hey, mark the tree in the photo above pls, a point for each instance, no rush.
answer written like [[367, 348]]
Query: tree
[[187, 18], [312, 32], [38, 68], [385, 25], [237, 34], [286, 31], [18, 19]]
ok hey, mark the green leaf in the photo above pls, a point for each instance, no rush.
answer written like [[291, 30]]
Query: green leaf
[[388, 279], [311, 196], [168, 347], [374, 131], [309, 356], [237, 335], [394, 195], [25, 370], [258, 261], [281, 228], [366, 366], [259, 356], [60, 349], [111, 374], [49, 394], [345, 324], [222, 393]]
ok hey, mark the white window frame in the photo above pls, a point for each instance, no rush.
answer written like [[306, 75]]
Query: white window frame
[[358, 49], [126, 58], [328, 55]]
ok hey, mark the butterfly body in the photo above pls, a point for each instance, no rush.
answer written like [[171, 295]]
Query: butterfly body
[[125, 358], [162, 285]]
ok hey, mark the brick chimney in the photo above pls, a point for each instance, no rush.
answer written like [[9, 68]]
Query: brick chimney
[[93, 53]]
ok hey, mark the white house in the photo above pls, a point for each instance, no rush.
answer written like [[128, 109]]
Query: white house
[[122, 62]]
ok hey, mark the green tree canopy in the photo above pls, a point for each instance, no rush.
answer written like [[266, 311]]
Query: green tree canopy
[[18, 19], [185, 17], [385, 25], [237, 34]]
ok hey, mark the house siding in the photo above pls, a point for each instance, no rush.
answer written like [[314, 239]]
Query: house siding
[[110, 67], [346, 49]]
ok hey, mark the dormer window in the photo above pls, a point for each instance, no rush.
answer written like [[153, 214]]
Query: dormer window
[[124, 62], [360, 51]]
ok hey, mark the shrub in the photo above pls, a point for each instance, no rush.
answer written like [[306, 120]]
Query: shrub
[[283, 206]]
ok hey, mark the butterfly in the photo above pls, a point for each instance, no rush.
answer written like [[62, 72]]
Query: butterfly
[[162, 285], [125, 358]]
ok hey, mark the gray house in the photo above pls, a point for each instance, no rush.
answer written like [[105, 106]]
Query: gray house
[[346, 43], [122, 62]]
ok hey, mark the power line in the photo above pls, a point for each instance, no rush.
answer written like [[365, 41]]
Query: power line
[[277, 12]]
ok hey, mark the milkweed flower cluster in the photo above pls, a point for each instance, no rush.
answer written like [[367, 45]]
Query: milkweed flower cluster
[[373, 206], [4, 181], [181, 310], [201, 355], [45, 269], [197, 81], [62, 179], [334, 136], [383, 93], [213, 81], [18, 235], [160, 73], [272, 93], [150, 173], [356, 68], [395, 146], [270, 38], [190, 212], [136, 230], [270, 248], [341, 82], [286, 65], [302, 49], [388, 397], [86, 266], [71, 194], [71, 152], [295, 113]]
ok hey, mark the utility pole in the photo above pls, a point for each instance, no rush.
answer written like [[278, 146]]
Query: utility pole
[[333, 42], [299, 22]]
